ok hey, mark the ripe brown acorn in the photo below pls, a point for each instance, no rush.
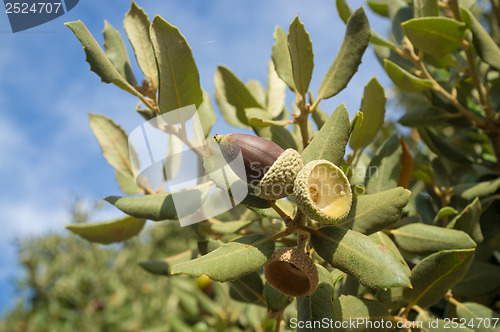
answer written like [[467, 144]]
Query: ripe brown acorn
[[258, 154]]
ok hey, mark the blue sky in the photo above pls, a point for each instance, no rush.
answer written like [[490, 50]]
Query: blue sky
[[48, 155]]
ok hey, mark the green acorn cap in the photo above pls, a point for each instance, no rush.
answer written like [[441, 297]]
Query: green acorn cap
[[292, 272], [322, 192], [279, 179]]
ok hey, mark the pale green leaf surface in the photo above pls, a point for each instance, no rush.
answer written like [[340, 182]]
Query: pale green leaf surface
[[117, 53], [229, 112], [361, 257], [383, 171], [164, 267], [206, 114], [301, 55], [276, 92], [178, 77], [317, 306], [231, 261], [374, 212], [114, 143], [136, 26], [330, 141], [468, 221], [106, 232], [479, 313], [281, 57], [424, 239], [373, 108], [481, 189], [405, 80], [433, 276], [127, 184], [350, 308], [98, 61], [348, 58]]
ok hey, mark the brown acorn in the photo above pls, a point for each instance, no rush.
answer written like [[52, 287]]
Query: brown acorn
[[258, 154], [292, 272]]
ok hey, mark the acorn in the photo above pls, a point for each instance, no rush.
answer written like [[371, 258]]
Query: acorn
[[292, 272], [269, 169], [322, 192]]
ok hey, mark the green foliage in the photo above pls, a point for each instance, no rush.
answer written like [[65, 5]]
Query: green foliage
[[428, 200]]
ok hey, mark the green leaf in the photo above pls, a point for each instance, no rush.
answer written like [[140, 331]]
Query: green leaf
[[114, 143], [136, 26], [318, 306], [438, 36], [330, 141], [481, 279], [276, 92], [301, 55], [257, 91], [361, 257], [384, 239], [178, 77], [471, 190], [440, 146], [424, 239], [384, 169], [127, 184], [206, 114], [159, 207], [279, 135], [373, 108], [485, 46], [258, 118], [164, 267], [230, 227], [248, 289], [379, 7], [117, 53], [423, 8], [424, 116], [275, 299], [281, 57], [404, 80], [374, 212], [433, 276], [444, 212], [349, 56], [350, 308], [106, 232], [468, 221], [98, 61], [236, 93], [484, 318], [345, 11], [228, 111], [231, 261]]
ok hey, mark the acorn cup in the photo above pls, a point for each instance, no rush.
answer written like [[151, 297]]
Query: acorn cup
[[292, 272], [322, 192], [269, 169]]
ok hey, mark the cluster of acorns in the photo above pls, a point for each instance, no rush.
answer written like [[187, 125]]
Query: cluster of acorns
[[320, 189]]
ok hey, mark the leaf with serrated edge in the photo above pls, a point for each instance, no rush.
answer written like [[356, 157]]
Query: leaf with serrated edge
[[318, 306], [231, 261], [114, 143], [374, 212], [106, 232], [179, 80], [361, 257], [330, 141], [348, 58], [136, 26], [434, 275], [117, 53], [98, 61], [373, 108], [281, 57], [301, 55], [424, 239]]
